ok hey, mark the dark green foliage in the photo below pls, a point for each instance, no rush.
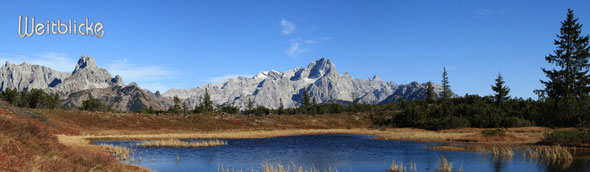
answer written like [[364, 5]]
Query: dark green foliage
[[446, 92], [229, 109], [206, 104], [570, 77], [11, 95], [305, 102], [250, 104], [565, 94], [501, 90], [565, 112], [260, 110], [36, 98], [467, 111], [184, 107], [494, 132], [430, 94], [92, 104], [574, 137], [177, 108], [281, 109]]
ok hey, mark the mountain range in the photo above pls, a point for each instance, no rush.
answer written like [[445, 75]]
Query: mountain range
[[320, 78]]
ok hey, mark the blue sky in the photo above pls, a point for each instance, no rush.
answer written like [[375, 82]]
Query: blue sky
[[184, 44]]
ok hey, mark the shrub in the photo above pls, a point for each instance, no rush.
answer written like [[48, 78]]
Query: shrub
[[92, 104], [229, 109], [576, 137]]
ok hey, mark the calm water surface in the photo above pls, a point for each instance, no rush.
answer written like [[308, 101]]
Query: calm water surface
[[341, 152]]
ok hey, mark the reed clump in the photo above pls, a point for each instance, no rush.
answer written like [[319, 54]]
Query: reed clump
[[499, 152], [120, 152], [550, 154], [443, 165], [401, 168], [180, 143]]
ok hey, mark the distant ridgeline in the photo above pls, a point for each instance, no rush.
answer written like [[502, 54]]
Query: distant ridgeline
[[270, 89]]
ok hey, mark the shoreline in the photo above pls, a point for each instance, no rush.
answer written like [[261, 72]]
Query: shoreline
[[519, 136]]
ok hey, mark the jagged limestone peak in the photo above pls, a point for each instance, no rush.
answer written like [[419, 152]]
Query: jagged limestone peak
[[85, 62]]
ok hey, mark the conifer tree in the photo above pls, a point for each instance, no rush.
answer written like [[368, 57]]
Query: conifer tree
[[446, 92], [430, 95], [501, 90], [306, 102], [570, 78], [250, 104], [177, 105], [281, 107], [569, 81], [207, 103]]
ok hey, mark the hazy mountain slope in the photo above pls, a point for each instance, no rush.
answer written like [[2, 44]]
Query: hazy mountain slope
[[121, 98]]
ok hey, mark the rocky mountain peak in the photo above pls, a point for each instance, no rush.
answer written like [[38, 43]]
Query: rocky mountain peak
[[118, 80], [321, 67], [85, 62]]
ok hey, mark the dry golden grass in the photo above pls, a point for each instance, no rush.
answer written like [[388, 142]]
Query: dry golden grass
[[180, 143], [78, 141], [388, 134], [394, 167], [121, 152], [443, 165], [498, 152], [556, 155]]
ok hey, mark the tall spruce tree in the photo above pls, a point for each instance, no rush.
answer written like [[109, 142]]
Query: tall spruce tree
[[306, 102], [430, 95], [570, 78], [568, 84], [206, 102], [446, 92], [500, 89], [250, 104], [281, 107]]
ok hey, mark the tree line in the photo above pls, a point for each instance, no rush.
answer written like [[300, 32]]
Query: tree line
[[35, 98]]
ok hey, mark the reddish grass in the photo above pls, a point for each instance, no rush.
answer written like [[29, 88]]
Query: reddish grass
[[29, 145], [99, 122]]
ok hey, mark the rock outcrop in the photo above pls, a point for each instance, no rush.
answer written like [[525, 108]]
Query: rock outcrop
[[120, 98], [87, 75], [27, 76]]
